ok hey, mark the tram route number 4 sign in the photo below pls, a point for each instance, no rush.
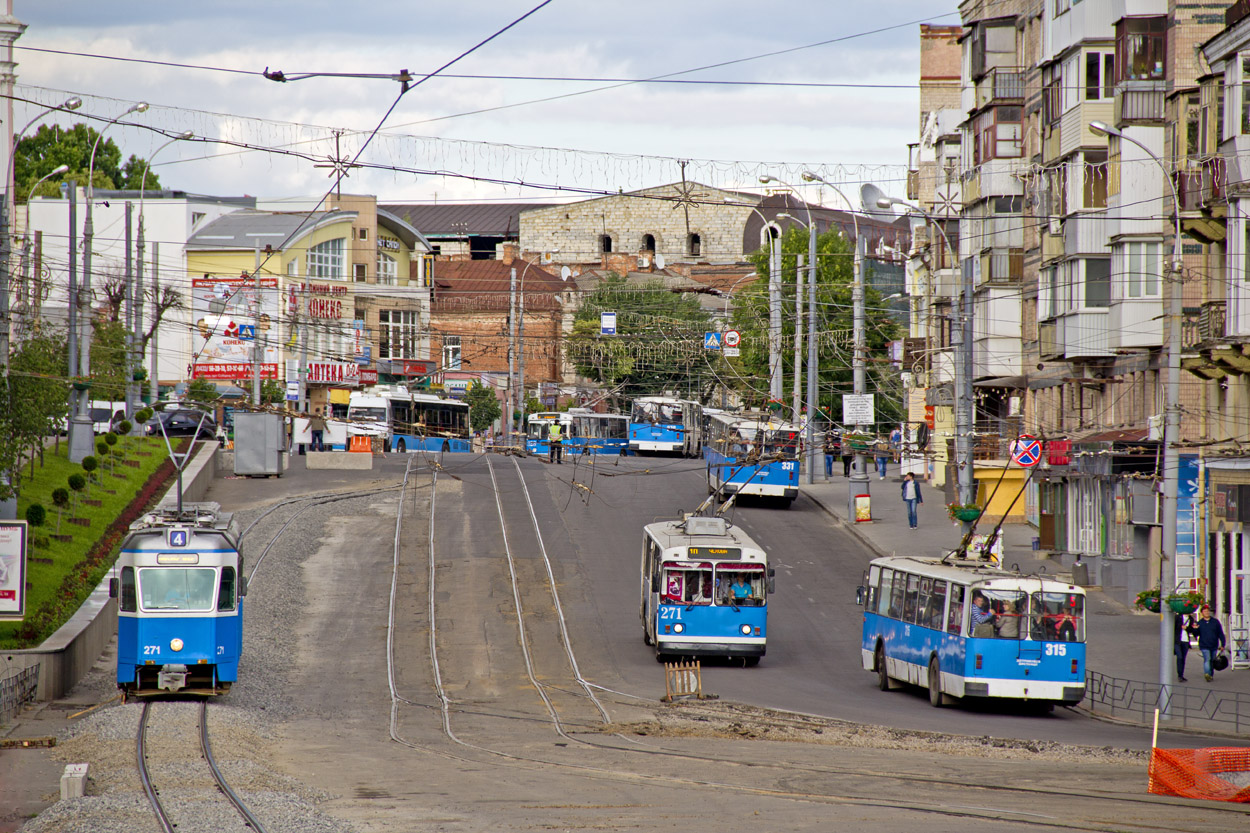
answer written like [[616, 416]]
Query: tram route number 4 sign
[[1026, 451]]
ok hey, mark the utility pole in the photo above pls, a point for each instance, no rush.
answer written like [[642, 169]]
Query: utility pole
[[521, 348], [8, 507], [256, 330], [512, 322], [129, 300], [775, 388], [138, 322], [154, 385], [81, 437], [813, 401], [303, 324], [964, 412], [859, 470], [798, 341]]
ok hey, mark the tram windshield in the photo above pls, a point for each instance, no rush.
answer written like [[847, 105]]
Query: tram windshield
[[177, 588]]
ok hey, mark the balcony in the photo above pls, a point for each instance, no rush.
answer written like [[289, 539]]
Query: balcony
[[1200, 187], [1085, 234], [1204, 325], [1081, 334], [1002, 266], [1001, 85], [1139, 102]]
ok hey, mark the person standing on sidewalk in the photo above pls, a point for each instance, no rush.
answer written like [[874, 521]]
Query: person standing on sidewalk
[[831, 449], [1184, 625], [1210, 641], [911, 497]]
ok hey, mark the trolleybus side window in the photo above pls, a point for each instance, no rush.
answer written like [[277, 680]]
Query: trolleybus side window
[[955, 617], [935, 606], [896, 596], [225, 590], [128, 601], [909, 601], [1008, 608], [883, 592], [1059, 617]]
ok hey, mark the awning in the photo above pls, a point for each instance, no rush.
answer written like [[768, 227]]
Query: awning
[[1010, 382]]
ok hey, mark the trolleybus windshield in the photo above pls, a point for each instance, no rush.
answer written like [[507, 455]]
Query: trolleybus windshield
[[368, 414], [175, 588]]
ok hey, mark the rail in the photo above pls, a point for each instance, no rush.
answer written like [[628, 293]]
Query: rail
[[1196, 708], [16, 690]]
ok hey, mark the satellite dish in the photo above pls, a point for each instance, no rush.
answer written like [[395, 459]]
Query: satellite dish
[[565, 273], [659, 261], [868, 196]]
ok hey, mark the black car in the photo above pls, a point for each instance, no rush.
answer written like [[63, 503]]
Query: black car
[[184, 422]]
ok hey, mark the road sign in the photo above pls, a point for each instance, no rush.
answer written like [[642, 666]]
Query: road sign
[[858, 409], [711, 341], [607, 323], [1026, 451], [732, 338], [730, 352]]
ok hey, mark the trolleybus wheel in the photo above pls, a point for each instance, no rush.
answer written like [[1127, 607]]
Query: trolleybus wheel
[[935, 684], [400, 446], [883, 679], [750, 662], [386, 446], [646, 636]]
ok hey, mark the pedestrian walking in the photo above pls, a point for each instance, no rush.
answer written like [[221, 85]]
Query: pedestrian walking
[[883, 458], [317, 425], [911, 497], [831, 449], [1211, 642], [1183, 627], [896, 442]]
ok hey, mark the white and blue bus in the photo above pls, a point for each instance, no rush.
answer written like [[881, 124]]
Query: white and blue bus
[[538, 428], [595, 433], [409, 421], [752, 454], [705, 590], [966, 629], [665, 424]]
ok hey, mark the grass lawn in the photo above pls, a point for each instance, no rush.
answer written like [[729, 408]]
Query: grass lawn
[[49, 602]]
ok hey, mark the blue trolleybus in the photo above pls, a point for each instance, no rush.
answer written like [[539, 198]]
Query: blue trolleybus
[[409, 421], [966, 629], [665, 424], [751, 454], [537, 427], [179, 587], [594, 433], [705, 589]]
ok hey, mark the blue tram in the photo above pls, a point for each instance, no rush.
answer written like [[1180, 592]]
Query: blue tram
[[967, 629], [705, 589], [179, 588], [665, 424], [751, 454]]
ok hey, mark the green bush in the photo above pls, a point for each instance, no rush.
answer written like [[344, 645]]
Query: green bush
[[77, 482], [101, 448], [60, 497], [124, 427], [111, 438], [36, 514], [90, 464], [144, 415]]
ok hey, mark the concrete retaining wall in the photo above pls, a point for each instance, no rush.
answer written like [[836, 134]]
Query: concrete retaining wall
[[68, 654]]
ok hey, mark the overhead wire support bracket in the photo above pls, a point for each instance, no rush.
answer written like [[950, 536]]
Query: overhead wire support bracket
[[404, 77]]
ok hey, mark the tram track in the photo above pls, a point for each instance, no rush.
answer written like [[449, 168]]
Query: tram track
[[449, 707], [163, 818]]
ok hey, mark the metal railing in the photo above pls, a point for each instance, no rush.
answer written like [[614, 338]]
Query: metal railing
[[1197, 708], [16, 690]]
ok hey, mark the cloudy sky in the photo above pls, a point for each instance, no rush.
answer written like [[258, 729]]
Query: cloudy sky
[[474, 138]]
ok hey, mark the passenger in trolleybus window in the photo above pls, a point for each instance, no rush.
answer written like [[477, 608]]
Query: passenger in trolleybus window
[[980, 615]]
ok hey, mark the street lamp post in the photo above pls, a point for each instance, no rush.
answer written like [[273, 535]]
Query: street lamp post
[[774, 309], [138, 295], [1171, 416], [813, 405], [859, 471], [798, 308], [964, 420], [81, 435]]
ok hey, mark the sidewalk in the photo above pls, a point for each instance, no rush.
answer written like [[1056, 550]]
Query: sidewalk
[[1122, 642]]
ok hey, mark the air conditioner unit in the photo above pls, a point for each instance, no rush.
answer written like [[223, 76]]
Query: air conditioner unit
[[644, 261]]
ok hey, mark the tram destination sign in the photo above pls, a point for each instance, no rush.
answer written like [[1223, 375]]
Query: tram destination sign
[[727, 553]]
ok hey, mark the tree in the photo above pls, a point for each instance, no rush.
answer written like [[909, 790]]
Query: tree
[[272, 392], [659, 340], [51, 146], [33, 403], [60, 499], [834, 327], [108, 360], [202, 392], [484, 407]]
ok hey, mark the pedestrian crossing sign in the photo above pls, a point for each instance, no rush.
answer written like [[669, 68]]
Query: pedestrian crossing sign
[[711, 341]]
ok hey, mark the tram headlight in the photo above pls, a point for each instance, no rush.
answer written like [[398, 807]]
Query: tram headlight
[[678, 628], [175, 644], [746, 630]]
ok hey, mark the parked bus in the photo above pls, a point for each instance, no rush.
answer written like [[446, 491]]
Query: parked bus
[[752, 454], [705, 590], [594, 433], [537, 427], [1027, 643], [409, 421], [665, 424]]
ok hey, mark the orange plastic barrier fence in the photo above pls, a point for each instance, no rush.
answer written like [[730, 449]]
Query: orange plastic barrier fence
[[359, 444], [1196, 773]]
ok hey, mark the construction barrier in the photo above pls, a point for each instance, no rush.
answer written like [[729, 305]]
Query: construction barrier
[[1219, 773], [683, 679], [360, 444]]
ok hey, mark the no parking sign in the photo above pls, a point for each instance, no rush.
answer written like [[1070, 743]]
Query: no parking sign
[[1026, 451]]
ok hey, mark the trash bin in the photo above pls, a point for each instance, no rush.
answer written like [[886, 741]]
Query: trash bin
[[1080, 574]]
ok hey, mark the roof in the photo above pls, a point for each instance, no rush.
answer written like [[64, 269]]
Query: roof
[[476, 285], [464, 219], [726, 278], [244, 229]]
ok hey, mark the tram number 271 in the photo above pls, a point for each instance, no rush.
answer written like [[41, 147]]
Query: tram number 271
[[1056, 649], [670, 613]]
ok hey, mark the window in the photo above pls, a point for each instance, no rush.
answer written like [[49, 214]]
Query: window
[[1245, 94], [1141, 269], [325, 260], [688, 586], [397, 337], [1098, 282], [883, 593], [388, 270], [292, 267], [992, 45], [1052, 93], [955, 618], [1095, 190], [451, 352], [225, 590], [694, 245], [196, 217], [997, 134], [165, 588], [1108, 75], [648, 242], [1141, 48], [358, 272], [127, 601], [605, 243], [364, 234], [1059, 617]]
